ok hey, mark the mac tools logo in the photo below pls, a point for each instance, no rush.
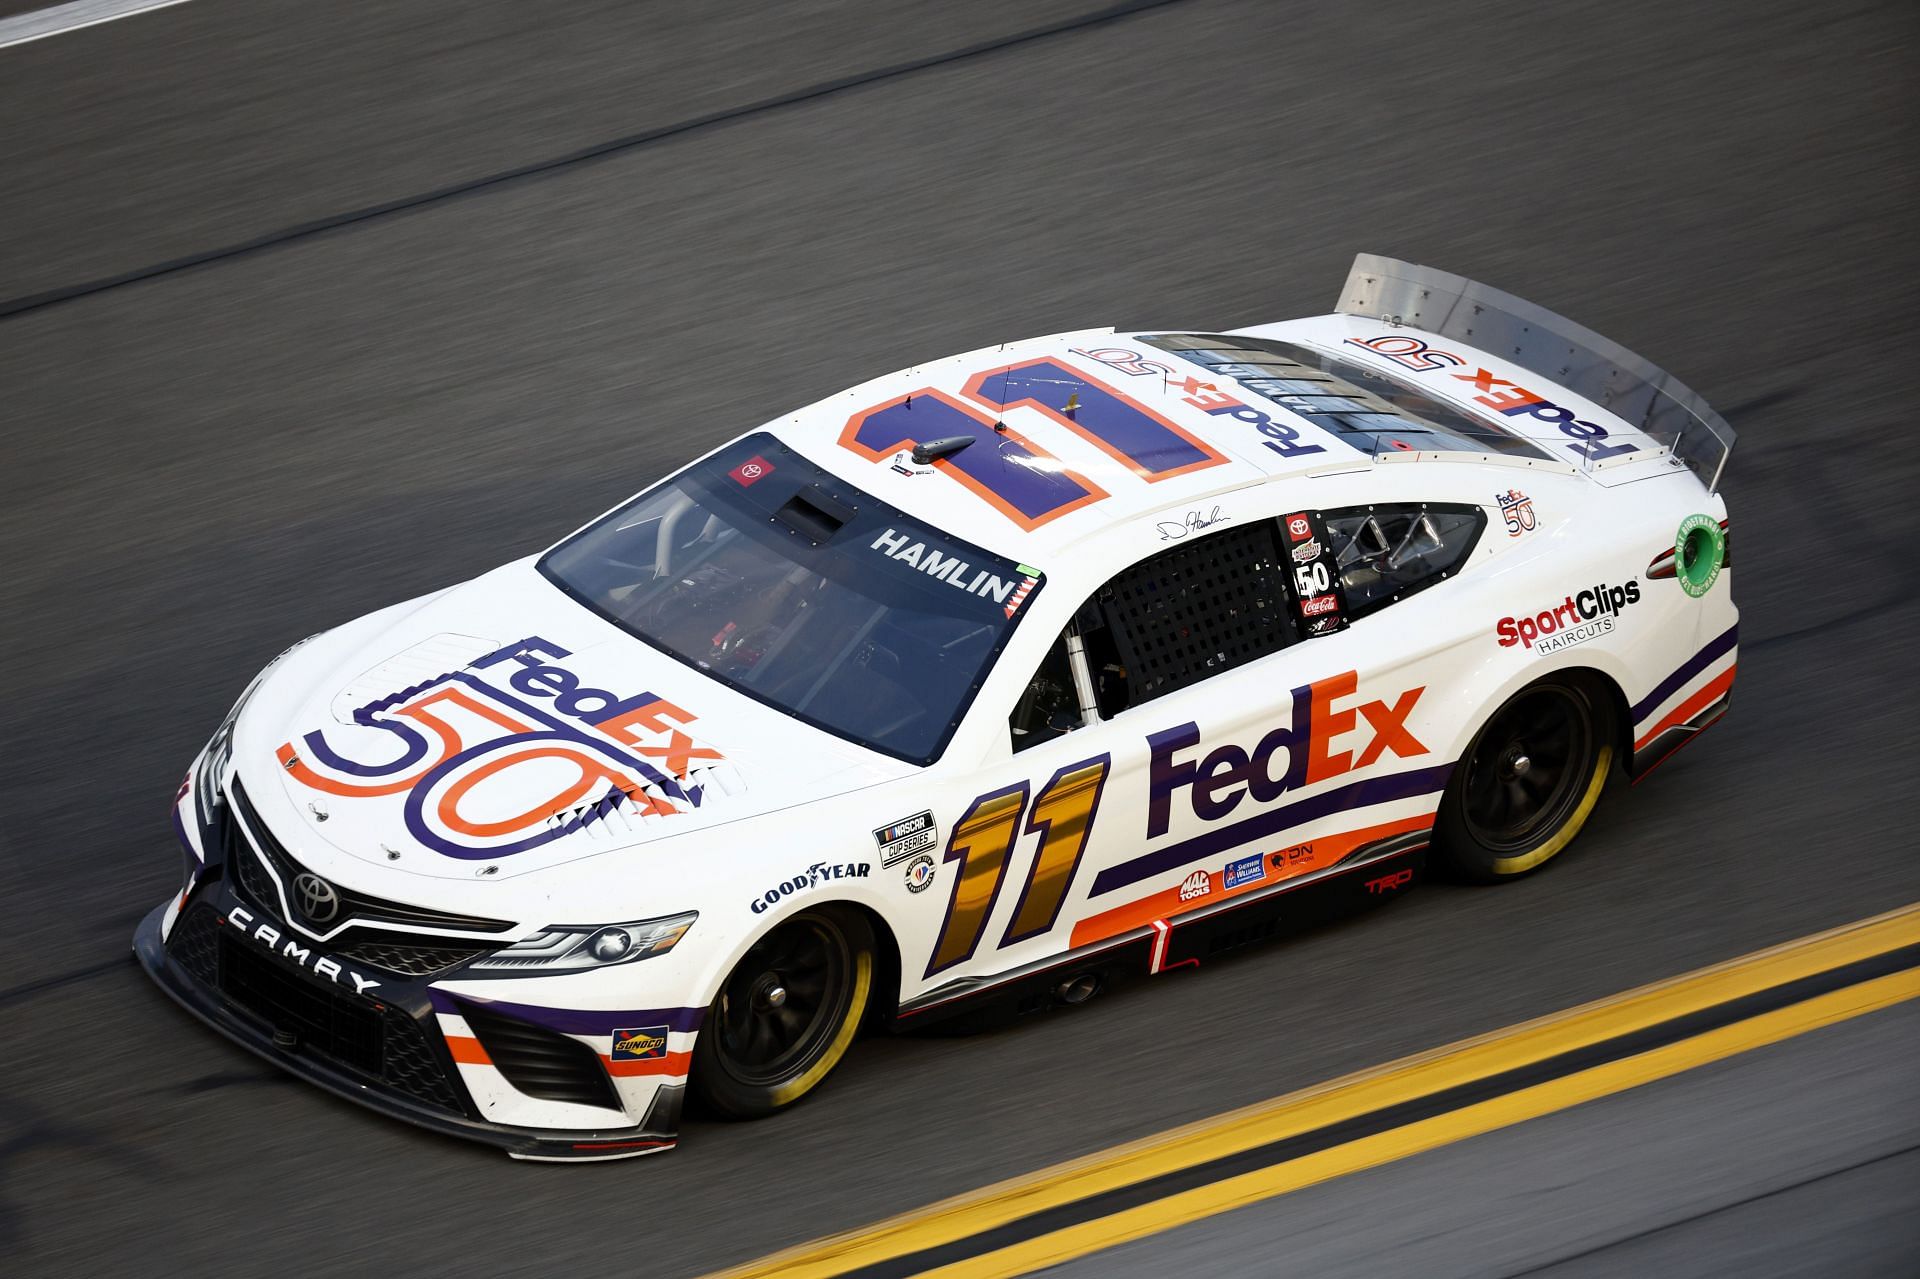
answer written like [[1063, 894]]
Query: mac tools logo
[[466, 749]]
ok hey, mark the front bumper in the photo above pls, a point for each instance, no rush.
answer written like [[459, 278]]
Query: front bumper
[[407, 1072]]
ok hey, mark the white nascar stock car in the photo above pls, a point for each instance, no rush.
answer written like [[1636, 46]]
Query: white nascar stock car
[[978, 686]]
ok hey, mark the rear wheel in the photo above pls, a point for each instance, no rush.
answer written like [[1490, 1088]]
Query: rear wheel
[[1527, 783], [786, 1014]]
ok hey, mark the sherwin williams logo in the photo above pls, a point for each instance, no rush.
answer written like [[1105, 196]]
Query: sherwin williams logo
[[465, 748], [648, 1043], [1245, 871]]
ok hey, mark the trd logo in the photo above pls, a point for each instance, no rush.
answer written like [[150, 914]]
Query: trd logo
[[1387, 883], [1228, 774]]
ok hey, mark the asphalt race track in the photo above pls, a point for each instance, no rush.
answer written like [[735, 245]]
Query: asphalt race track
[[433, 347]]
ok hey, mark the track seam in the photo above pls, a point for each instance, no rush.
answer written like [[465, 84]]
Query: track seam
[[1651, 1231], [302, 230]]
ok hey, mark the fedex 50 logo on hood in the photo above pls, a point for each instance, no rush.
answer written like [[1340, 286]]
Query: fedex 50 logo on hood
[[511, 753]]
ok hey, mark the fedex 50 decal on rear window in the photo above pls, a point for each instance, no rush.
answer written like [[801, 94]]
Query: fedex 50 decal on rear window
[[1587, 439]]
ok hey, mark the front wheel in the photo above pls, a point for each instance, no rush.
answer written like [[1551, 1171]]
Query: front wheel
[[786, 1014], [1527, 783]]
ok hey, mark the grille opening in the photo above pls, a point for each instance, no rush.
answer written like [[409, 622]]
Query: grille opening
[[540, 1062], [344, 1029], [380, 1041]]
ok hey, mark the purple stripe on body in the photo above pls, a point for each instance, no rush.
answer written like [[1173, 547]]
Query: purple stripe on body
[[1690, 668], [1374, 790], [180, 829], [569, 1021]]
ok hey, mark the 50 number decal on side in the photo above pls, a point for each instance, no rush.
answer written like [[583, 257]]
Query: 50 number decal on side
[[982, 845]]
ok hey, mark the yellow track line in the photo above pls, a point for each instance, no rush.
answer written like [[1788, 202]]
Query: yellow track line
[[1357, 1094], [1427, 1134]]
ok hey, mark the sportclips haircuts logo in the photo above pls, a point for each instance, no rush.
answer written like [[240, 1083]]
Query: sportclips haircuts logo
[[503, 762], [1574, 620]]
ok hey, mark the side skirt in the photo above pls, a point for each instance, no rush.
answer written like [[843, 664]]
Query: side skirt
[[1367, 877]]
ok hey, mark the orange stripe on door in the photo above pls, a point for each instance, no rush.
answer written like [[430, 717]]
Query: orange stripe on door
[[1313, 854]]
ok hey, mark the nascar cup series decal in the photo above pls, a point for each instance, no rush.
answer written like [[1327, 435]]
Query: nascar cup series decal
[[513, 719]]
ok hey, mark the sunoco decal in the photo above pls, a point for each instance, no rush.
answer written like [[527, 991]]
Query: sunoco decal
[[644, 1043]]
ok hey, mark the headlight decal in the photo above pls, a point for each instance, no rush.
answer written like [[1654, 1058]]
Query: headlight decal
[[578, 947]]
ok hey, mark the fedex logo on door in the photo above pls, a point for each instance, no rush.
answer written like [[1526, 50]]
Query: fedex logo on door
[[1328, 733]]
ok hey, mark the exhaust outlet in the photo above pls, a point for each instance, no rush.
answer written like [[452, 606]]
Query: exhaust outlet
[[1077, 990]]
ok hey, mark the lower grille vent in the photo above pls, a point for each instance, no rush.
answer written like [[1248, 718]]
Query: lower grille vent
[[348, 1030], [540, 1062], [377, 1040]]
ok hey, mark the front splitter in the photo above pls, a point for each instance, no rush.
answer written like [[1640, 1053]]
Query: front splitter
[[547, 1145]]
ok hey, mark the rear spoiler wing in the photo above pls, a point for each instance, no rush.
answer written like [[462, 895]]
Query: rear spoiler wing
[[1571, 355]]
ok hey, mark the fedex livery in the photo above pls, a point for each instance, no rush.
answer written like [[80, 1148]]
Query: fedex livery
[[974, 688]]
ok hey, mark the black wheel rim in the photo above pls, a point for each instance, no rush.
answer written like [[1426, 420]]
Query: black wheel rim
[[784, 1002], [1528, 769]]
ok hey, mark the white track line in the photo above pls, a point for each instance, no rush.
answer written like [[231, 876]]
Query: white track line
[[62, 18]]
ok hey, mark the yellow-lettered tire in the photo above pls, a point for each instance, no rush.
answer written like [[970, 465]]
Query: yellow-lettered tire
[[1527, 782], [786, 1014]]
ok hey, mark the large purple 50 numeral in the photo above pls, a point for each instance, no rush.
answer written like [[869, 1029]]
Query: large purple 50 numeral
[[1014, 475]]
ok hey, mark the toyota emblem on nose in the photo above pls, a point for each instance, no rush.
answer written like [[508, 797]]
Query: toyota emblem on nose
[[319, 901]]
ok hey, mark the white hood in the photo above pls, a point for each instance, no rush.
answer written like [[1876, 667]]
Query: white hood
[[501, 728]]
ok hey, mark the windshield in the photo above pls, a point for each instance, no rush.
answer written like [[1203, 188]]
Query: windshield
[[798, 589]]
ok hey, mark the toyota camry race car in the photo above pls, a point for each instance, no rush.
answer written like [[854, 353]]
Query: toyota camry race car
[[979, 686]]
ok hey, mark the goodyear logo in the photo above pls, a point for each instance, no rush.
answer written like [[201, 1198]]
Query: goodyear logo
[[648, 1043]]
